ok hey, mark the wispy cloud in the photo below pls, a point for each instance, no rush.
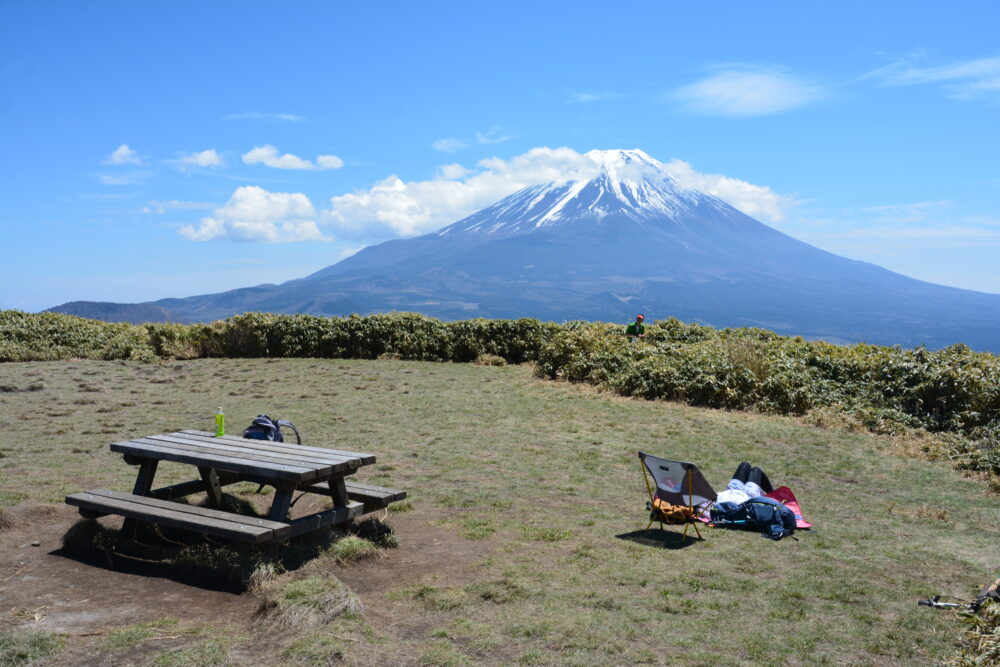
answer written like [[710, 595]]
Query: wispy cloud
[[269, 156], [257, 115], [449, 145], [583, 98], [889, 229], [494, 135], [744, 90], [130, 178], [254, 214], [967, 80], [900, 214], [123, 155], [206, 158], [162, 207]]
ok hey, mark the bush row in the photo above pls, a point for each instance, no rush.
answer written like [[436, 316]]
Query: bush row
[[50, 336], [888, 389]]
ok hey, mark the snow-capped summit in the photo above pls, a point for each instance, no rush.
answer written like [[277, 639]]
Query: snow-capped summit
[[616, 184]]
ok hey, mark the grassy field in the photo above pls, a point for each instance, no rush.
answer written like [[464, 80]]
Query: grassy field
[[539, 483]]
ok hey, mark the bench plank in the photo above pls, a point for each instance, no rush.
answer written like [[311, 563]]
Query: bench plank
[[373, 497], [177, 515], [366, 459], [196, 458], [329, 517]]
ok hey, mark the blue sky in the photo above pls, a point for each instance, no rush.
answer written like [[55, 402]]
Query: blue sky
[[158, 149]]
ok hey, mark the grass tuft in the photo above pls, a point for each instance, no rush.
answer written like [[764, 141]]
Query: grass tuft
[[308, 602], [26, 647], [210, 653]]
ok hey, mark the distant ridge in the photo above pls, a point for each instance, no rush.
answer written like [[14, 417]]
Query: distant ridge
[[620, 237], [119, 312]]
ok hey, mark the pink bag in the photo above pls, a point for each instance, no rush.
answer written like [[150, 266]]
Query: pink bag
[[785, 496]]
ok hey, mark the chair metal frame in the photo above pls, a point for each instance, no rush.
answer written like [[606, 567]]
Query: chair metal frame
[[656, 514]]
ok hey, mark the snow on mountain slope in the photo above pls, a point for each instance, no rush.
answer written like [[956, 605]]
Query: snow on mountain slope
[[627, 184]]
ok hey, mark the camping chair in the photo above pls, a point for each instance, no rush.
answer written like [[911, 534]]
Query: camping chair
[[677, 483]]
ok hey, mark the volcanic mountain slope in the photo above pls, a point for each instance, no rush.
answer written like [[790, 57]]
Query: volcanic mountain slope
[[619, 238]]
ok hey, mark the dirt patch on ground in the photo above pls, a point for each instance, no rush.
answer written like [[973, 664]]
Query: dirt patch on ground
[[86, 594], [48, 588]]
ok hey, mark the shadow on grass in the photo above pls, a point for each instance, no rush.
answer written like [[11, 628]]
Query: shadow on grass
[[662, 539], [202, 561]]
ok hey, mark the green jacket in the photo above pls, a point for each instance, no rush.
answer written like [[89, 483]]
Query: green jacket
[[635, 329]]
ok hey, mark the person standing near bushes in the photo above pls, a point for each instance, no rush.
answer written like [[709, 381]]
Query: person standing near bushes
[[636, 330]]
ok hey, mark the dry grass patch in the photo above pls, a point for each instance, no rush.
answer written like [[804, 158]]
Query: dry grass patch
[[307, 602]]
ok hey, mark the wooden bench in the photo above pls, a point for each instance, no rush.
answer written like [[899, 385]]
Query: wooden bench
[[372, 497], [98, 502]]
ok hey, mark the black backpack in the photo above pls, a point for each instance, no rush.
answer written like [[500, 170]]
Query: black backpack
[[265, 428], [773, 519]]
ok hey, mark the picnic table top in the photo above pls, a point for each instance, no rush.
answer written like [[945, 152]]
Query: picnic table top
[[261, 458]]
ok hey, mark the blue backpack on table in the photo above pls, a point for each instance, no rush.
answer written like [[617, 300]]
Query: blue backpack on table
[[265, 428]]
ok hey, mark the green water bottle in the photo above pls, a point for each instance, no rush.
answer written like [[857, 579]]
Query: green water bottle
[[220, 423]]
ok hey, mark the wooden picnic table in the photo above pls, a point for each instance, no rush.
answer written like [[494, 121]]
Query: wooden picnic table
[[227, 460]]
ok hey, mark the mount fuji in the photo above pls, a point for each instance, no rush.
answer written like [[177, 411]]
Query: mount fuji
[[621, 236]]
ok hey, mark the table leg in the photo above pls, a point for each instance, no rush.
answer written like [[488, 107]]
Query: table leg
[[144, 481], [212, 486], [338, 491], [143, 485], [282, 501]]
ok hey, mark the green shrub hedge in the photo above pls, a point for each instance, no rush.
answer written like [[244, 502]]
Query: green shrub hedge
[[50, 336], [887, 389]]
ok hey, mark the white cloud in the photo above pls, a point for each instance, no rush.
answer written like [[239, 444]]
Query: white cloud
[[494, 135], [269, 156], [449, 145], [451, 171], [254, 214], [207, 158], [329, 162], [965, 80], [757, 201], [256, 115], [397, 207], [123, 155], [747, 91]]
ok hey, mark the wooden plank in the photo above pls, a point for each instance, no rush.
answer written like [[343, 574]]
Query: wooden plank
[[260, 470], [373, 497], [270, 445], [366, 459], [178, 490], [274, 449], [185, 508], [198, 519], [359, 489], [339, 463], [233, 452], [329, 517]]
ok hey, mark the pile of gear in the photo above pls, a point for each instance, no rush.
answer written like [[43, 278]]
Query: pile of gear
[[680, 494]]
